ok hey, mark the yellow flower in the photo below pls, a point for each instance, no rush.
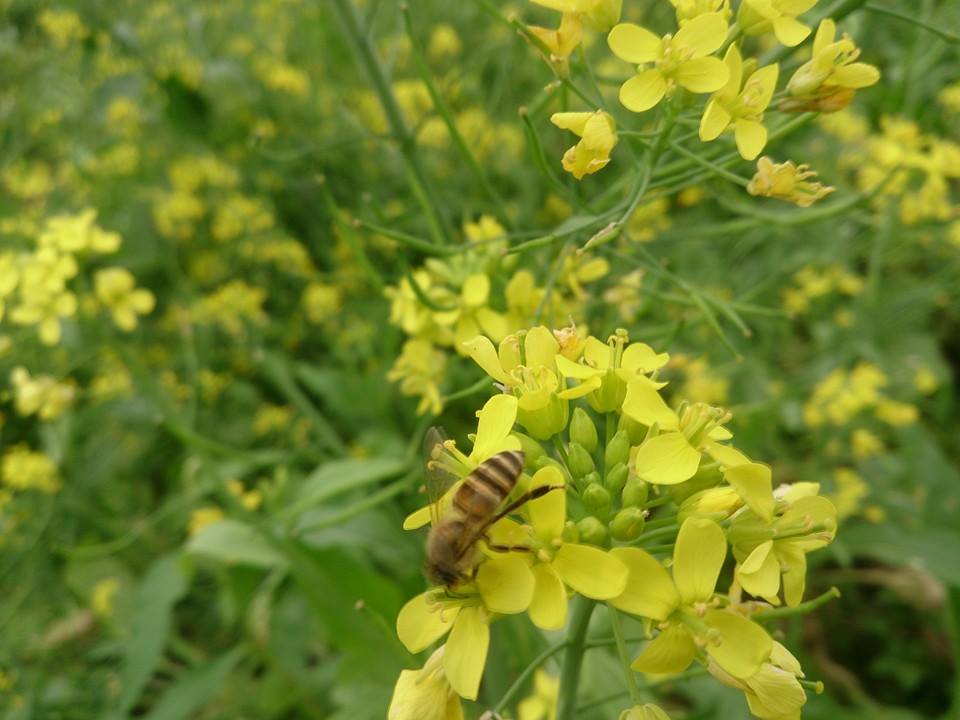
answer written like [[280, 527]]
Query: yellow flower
[[828, 81], [679, 59], [598, 133], [42, 394], [472, 314], [562, 41], [925, 380], [851, 490], [26, 469], [580, 268], [503, 585], [689, 9], [321, 302], [542, 704], [601, 15], [9, 278], [202, 517], [788, 182], [896, 413], [114, 288], [44, 309], [685, 609], [773, 692], [865, 444], [78, 233], [102, 597], [644, 712], [420, 369], [757, 17], [768, 549], [588, 570], [425, 694], [740, 104]]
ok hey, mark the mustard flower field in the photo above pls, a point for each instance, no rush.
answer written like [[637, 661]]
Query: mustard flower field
[[484, 360]]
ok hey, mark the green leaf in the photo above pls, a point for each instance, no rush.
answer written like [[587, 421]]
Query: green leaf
[[342, 476], [195, 688], [233, 542], [164, 584], [932, 549]]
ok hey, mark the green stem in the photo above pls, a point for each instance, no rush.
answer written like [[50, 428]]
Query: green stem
[[350, 238], [661, 533], [801, 609], [948, 36], [573, 658], [419, 181], [410, 241], [521, 680], [622, 652], [713, 167]]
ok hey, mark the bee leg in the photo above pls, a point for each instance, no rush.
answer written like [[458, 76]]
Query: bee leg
[[523, 499]]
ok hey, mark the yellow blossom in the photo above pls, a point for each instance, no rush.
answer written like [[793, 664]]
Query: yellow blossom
[[542, 703], [420, 369], [757, 17], [321, 302], [865, 444], [788, 182], [202, 517], [773, 692], [598, 133], [644, 712], [24, 469], [680, 59], [78, 233], [115, 289], [41, 394], [690, 9], [425, 694], [740, 105], [102, 597], [562, 41]]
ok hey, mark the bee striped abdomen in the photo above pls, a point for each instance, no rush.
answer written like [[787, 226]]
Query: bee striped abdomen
[[488, 485]]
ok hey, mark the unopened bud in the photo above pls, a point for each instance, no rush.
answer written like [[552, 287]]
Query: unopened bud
[[597, 500], [592, 531], [635, 492], [587, 480], [582, 430], [531, 449], [579, 461], [616, 479], [570, 532], [628, 524], [618, 449]]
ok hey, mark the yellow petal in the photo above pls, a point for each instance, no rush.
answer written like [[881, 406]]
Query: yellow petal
[[645, 405], [494, 424], [751, 138], [724, 454], [789, 31], [698, 556], [855, 75], [420, 625], [634, 44], [715, 120], [666, 459], [590, 571], [640, 357], [575, 122], [548, 513], [766, 79], [793, 562], [643, 91], [505, 584], [826, 32], [485, 355], [703, 35], [466, 652], [670, 652], [417, 519], [754, 483], [476, 290], [541, 348], [650, 591], [759, 573], [734, 62], [548, 609], [777, 693], [744, 645], [812, 510], [702, 75], [492, 323]]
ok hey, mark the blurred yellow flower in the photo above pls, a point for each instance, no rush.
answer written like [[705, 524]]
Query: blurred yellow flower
[[757, 17], [40, 394], [115, 289], [26, 469]]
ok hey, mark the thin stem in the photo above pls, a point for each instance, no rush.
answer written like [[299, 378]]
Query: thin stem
[[801, 609], [573, 658], [419, 181], [661, 533], [411, 241], [525, 675], [713, 167], [617, 627]]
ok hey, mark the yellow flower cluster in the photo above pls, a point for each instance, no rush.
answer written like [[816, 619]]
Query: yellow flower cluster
[[576, 527], [447, 302], [811, 282], [24, 469], [842, 395]]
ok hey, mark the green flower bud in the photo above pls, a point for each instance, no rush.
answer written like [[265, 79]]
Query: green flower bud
[[635, 492], [618, 449], [587, 480], [616, 479], [635, 431], [609, 396], [531, 449], [570, 532], [592, 531], [579, 460], [597, 500], [628, 524], [582, 430], [546, 420]]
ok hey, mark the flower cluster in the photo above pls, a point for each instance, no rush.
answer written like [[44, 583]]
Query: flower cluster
[[625, 481]]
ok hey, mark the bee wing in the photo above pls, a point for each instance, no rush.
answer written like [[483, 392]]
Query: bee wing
[[438, 479]]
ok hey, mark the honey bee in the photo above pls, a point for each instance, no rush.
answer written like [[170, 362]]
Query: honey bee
[[451, 551]]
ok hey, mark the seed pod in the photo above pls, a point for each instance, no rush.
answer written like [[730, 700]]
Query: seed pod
[[616, 479], [582, 430], [635, 492], [597, 500], [618, 449], [579, 461], [628, 524], [592, 531]]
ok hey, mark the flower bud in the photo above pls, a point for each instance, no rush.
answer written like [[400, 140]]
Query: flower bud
[[616, 479], [597, 500], [628, 524], [582, 430], [531, 449], [570, 532], [546, 420], [587, 480], [618, 449], [635, 492], [579, 461], [609, 396], [592, 531]]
